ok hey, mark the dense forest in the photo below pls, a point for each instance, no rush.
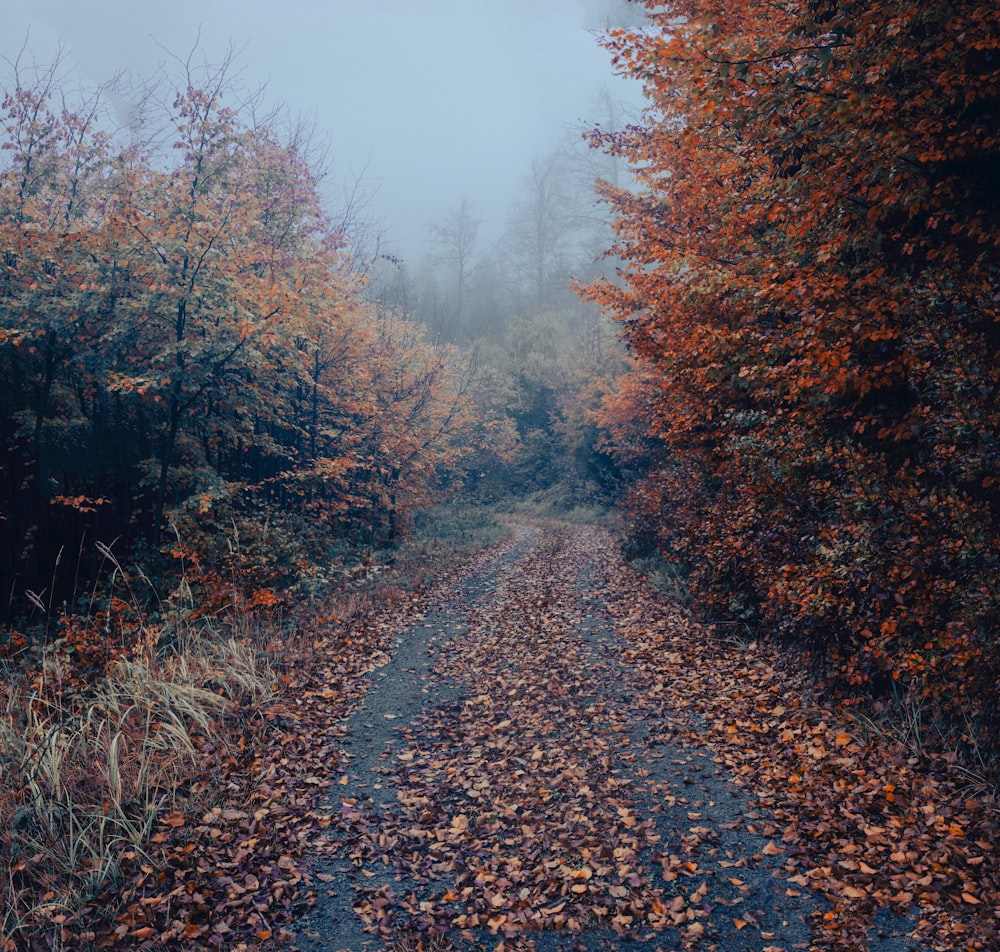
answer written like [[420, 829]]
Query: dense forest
[[197, 349], [758, 322], [811, 297]]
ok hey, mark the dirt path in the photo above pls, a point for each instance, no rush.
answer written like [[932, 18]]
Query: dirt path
[[537, 768]]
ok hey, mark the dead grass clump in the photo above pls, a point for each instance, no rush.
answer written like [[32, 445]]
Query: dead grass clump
[[89, 761]]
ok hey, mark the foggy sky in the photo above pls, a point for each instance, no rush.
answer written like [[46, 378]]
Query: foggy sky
[[429, 101]]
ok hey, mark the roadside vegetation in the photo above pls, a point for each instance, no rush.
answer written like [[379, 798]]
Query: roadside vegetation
[[239, 445], [120, 725]]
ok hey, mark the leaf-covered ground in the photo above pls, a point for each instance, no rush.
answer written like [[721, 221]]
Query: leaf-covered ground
[[541, 754], [556, 760]]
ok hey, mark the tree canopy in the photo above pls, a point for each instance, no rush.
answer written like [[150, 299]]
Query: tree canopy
[[185, 347], [810, 290]]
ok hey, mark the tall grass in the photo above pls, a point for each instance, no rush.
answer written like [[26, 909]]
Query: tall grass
[[88, 763], [565, 502], [666, 577]]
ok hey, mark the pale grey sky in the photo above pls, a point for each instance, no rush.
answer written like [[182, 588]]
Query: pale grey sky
[[432, 99]]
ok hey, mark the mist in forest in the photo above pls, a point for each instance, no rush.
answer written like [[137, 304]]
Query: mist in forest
[[372, 298], [421, 105]]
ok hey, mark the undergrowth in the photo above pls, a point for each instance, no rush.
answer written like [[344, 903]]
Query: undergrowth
[[666, 577], [112, 716], [104, 721], [437, 538], [582, 506]]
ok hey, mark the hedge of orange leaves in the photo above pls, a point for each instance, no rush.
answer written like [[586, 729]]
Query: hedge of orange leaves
[[810, 287]]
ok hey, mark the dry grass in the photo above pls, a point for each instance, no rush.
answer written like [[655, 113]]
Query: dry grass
[[906, 722], [87, 766], [420, 943]]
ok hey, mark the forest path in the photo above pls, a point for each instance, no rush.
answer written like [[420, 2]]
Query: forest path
[[537, 767]]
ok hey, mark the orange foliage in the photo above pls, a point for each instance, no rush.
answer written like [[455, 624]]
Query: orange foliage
[[812, 282], [188, 351]]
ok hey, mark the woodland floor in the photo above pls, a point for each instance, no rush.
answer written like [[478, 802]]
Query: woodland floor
[[541, 754], [551, 759]]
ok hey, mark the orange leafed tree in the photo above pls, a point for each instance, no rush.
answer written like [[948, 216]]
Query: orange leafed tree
[[186, 349], [811, 270]]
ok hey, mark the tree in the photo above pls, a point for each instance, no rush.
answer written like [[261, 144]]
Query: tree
[[540, 228], [546, 377], [812, 277], [455, 240], [185, 343], [55, 188]]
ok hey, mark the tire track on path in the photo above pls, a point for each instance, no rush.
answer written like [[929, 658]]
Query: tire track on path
[[398, 691], [519, 779]]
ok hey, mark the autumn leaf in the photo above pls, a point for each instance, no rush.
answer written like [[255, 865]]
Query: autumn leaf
[[792, 403]]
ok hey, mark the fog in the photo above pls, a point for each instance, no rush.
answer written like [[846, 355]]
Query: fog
[[426, 103]]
